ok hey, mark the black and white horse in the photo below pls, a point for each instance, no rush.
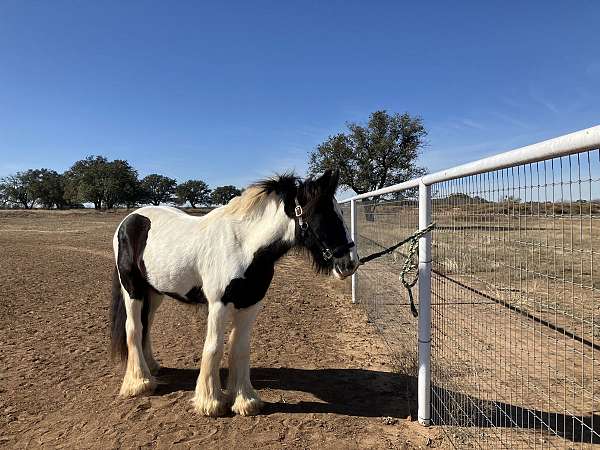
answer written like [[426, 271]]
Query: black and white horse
[[226, 259]]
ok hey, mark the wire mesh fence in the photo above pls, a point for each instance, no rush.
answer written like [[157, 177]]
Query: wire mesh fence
[[378, 288], [515, 301]]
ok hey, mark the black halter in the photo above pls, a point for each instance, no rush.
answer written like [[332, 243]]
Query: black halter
[[325, 250]]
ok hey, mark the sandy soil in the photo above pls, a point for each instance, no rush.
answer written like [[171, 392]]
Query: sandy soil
[[324, 372]]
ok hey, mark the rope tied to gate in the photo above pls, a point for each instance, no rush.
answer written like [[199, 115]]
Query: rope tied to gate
[[410, 262]]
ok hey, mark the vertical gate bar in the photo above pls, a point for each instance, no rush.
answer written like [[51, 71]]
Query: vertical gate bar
[[424, 332], [353, 232]]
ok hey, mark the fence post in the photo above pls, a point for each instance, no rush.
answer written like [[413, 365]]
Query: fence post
[[353, 232], [424, 333]]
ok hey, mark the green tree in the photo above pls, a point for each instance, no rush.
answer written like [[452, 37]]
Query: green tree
[[194, 191], [102, 182], [158, 188], [133, 194], [381, 153], [222, 194], [121, 185], [48, 187], [19, 189], [86, 180]]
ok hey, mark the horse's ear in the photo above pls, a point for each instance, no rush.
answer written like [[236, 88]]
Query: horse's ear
[[335, 180], [328, 182]]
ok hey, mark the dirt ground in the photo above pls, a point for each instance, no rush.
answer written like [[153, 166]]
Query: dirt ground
[[326, 376]]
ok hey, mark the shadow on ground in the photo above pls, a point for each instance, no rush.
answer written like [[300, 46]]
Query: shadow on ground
[[371, 393], [352, 392]]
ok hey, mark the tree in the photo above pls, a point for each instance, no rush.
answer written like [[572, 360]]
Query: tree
[[133, 194], [85, 180], [193, 191], [19, 189], [102, 182], [381, 153], [222, 194], [3, 197], [158, 188], [121, 185], [48, 187]]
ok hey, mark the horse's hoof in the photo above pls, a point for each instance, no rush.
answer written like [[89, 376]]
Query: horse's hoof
[[153, 366], [137, 386], [247, 406], [210, 407]]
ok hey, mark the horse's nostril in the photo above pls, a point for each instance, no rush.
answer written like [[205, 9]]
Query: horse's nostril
[[346, 268]]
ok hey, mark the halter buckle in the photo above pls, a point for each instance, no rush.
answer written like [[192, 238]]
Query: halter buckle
[[327, 254], [298, 211]]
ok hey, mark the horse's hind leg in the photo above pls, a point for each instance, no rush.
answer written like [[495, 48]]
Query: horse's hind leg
[[155, 299], [246, 401], [208, 399], [138, 379]]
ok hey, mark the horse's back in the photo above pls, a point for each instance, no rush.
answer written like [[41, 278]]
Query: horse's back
[[161, 211]]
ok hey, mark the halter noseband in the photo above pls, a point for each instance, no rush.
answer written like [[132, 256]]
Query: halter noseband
[[325, 251]]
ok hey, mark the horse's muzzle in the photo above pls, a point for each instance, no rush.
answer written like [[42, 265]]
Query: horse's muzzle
[[345, 266]]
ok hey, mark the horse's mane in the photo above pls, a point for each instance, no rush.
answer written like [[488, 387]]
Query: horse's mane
[[254, 199]]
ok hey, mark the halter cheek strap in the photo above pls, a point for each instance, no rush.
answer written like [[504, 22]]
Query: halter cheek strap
[[325, 250], [298, 212]]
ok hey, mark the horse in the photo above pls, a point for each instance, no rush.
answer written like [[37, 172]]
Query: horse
[[224, 259]]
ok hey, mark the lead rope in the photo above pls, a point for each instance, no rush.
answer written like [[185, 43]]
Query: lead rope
[[410, 262]]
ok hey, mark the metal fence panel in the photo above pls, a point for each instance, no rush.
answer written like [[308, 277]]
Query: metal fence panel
[[515, 312], [515, 301], [378, 290]]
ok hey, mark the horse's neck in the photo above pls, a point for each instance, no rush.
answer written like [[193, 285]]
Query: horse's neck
[[273, 226]]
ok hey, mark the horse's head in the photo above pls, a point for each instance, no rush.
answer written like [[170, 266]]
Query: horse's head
[[321, 228]]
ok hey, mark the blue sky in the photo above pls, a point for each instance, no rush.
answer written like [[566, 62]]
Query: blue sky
[[232, 91]]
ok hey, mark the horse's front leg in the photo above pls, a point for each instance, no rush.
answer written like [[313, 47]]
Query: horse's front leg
[[208, 399], [246, 401]]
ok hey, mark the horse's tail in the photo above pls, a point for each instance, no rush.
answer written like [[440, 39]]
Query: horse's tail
[[118, 316]]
